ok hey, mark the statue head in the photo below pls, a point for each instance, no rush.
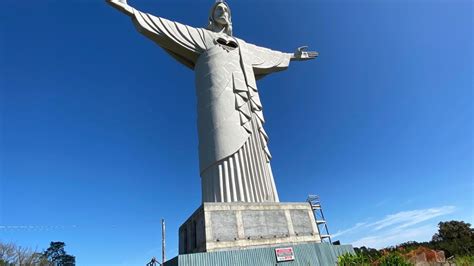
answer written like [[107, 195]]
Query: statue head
[[220, 18]]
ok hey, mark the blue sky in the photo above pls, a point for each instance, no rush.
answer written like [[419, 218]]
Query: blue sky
[[98, 136]]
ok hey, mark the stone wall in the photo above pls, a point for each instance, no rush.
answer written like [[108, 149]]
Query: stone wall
[[229, 226]]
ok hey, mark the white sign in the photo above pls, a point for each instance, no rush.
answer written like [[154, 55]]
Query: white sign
[[284, 254]]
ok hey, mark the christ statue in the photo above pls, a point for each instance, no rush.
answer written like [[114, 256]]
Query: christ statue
[[234, 158]]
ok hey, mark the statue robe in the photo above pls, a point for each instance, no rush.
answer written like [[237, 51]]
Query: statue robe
[[233, 153]]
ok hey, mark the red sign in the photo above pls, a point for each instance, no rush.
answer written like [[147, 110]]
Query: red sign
[[284, 254]]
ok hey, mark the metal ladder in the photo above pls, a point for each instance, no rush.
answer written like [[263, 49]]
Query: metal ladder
[[315, 203]]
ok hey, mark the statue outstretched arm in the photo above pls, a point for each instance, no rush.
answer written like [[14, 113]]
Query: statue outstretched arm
[[122, 6], [265, 61], [182, 42], [301, 54]]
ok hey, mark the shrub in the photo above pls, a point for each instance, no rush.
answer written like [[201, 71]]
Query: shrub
[[393, 259], [349, 259], [464, 261]]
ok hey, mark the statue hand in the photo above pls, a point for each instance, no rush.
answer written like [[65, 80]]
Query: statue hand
[[302, 54]]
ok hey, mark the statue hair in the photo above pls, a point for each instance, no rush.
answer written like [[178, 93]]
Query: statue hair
[[213, 26]]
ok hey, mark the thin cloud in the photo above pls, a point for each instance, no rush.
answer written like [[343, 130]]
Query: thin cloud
[[409, 218], [354, 228], [35, 227], [394, 237], [381, 203], [396, 228]]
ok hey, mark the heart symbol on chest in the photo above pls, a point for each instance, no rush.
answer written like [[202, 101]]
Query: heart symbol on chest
[[227, 43]]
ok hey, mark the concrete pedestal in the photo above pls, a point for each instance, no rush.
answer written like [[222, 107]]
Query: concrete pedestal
[[238, 225]]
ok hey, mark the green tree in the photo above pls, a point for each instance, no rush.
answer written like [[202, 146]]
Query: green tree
[[58, 256], [455, 237], [370, 253]]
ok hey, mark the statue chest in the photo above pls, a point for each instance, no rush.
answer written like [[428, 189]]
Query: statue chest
[[214, 68]]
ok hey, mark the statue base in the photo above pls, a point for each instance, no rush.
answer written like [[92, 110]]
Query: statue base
[[239, 225]]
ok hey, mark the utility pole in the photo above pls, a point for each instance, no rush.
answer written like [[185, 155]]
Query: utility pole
[[163, 241]]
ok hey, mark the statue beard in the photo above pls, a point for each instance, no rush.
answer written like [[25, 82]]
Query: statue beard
[[216, 27]]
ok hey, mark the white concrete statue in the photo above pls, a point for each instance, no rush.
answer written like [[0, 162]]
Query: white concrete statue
[[233, 153]]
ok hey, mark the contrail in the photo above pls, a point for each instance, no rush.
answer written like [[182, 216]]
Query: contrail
[[35, 227]]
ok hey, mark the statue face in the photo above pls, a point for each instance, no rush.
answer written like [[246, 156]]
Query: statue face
[[221, 14]]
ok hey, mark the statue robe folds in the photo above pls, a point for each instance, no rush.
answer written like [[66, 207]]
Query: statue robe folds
[[233, 153]]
